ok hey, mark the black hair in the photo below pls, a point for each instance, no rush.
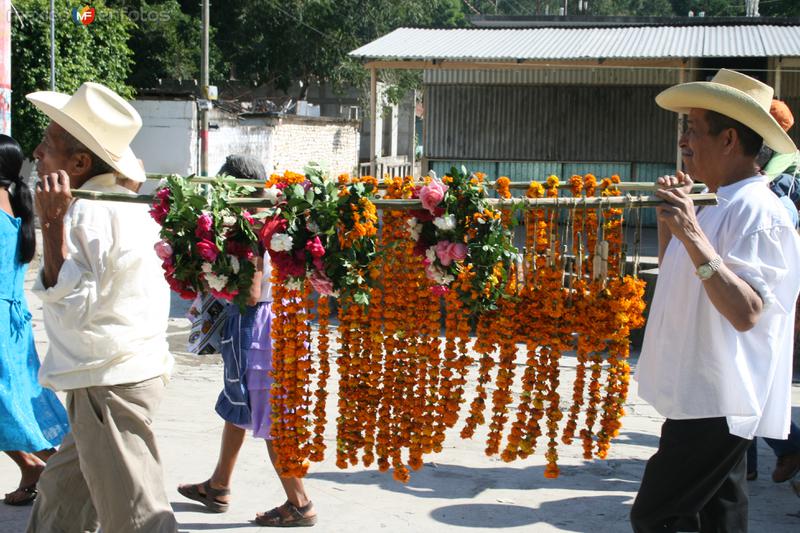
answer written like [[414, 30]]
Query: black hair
[[244, 167], [751, 141], [19, 194], [74, 146]]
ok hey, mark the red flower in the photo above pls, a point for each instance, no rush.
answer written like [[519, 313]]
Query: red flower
[[315, 248], [207, 250], [288, 264], [271, 227], [239, 249], [248, 217], [225, 294]]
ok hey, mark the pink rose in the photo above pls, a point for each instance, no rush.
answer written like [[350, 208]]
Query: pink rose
[[314, 247], [204, 224], [447, 252], [321, 283], [207, 250], [163, 195], [458, 251], [432, 194], [439, 290], [163, 250], [248, 217]]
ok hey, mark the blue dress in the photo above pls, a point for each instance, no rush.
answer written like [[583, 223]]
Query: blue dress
[[31, 418]]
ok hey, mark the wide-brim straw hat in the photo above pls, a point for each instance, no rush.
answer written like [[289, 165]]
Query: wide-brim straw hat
[[734, 95], [100, 119]]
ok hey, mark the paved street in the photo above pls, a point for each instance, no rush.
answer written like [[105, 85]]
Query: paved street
[[459, 489]]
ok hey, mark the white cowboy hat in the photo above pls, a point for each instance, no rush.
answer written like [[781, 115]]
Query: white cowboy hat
[[734, 95], [100, 119]]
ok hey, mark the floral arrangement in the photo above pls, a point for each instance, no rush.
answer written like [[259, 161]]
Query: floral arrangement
[[322, 230], [462, 238], [207, 245]]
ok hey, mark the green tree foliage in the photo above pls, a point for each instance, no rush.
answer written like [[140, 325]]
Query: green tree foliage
[[97, 52], [165, 42], [279, 42]]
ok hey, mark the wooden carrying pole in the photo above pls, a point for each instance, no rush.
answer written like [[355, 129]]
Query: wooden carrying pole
[[591, 202]]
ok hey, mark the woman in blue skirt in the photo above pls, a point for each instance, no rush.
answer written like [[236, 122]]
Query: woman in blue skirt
[[244, 403], [32, 420]]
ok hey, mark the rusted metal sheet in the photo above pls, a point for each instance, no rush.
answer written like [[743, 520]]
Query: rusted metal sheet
[[547, 123]]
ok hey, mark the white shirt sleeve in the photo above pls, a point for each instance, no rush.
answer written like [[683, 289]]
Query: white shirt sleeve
[[84, 274], [758, 258]]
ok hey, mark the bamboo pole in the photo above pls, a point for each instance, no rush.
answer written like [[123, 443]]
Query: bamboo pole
[[592, 202], [622, 186]]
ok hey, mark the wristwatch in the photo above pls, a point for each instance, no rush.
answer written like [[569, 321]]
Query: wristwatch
[[707, 270]]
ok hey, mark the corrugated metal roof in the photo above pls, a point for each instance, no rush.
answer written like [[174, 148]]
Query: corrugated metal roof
[[565, 44]]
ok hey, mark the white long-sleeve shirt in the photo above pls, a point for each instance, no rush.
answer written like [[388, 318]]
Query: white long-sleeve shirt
[[694, 363], [106, 316]]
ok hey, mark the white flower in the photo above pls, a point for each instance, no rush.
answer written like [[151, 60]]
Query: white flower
[[445, 223], [294, 284], [206, 267], [430, 254], [272, 194], [228, 221], [216, 282], [234, 263], [414, 228], [281, 242]]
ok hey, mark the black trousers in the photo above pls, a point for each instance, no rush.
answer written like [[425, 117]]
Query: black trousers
[[695, 481]]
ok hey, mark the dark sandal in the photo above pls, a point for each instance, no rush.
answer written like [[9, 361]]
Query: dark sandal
[[209, 499], [287, 515], [30, 493]]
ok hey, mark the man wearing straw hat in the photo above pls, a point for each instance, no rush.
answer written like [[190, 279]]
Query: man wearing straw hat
[[106, 306], [717, 352]]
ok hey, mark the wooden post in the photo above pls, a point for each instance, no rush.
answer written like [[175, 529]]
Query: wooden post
[[778, 62], [373, 117], [678, 158]]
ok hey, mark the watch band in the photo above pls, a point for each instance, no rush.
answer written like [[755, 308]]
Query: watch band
[[707, 270]]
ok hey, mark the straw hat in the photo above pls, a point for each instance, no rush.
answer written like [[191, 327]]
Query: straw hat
[[100, 119], [734, 95]]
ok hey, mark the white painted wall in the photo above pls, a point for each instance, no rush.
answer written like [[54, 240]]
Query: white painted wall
[[167, 142]]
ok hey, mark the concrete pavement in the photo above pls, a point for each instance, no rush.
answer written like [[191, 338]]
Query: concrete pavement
[[459, 489]]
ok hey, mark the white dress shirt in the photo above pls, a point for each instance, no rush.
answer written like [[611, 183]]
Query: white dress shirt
[[106, 316], [694, 364]]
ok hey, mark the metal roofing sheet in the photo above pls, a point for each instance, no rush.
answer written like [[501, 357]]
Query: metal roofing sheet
[[640, 42]]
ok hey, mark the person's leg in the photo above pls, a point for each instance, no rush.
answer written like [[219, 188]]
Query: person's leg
[[30, 467], [694, 459], [727, 510], [752, 460], [232, 440], [298, 509], [119, 457], [64, 504], [292, 486], [787, 452]]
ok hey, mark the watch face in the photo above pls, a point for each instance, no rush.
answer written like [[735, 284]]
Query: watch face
[[705, 271]]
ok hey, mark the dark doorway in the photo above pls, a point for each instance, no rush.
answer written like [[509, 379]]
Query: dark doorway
[[755, 67]]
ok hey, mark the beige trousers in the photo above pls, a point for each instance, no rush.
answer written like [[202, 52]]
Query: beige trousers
[[107, 472]]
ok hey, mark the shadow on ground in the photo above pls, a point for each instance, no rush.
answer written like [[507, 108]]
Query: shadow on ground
[[448, 481], [569, 514]]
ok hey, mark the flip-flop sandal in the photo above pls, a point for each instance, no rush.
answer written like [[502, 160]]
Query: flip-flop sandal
[[209, 499], [30, 492], [287, 515]]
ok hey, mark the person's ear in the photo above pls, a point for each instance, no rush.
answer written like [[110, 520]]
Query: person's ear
[[80, 164], [729, 138]]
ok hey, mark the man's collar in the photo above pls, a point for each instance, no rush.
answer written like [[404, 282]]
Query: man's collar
[[100, 182]]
